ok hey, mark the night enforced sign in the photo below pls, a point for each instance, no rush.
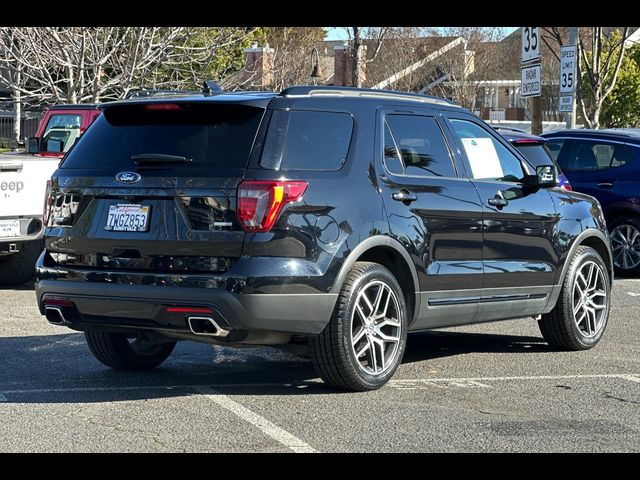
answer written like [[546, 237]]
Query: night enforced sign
[[530, 44]]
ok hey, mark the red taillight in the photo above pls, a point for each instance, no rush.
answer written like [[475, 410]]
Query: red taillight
[[48, 202], [260, 202], [188, 310], [58, 302], [566, 186], [162, 106]]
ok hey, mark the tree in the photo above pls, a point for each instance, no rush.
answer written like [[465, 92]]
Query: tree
[[45, 65], [357, 59], [468, 68], [601, 54], [11, 75], [90, 64], [601, 67], [622, 107], [207, 54], [293, 46]]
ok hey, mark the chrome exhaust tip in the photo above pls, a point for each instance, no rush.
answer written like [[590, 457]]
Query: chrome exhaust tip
[[54, 315], [206, 326]]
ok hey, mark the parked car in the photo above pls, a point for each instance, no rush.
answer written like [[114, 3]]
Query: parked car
[[23, 182], [340, 217], [606, 164], [60, 127], [535, 149]]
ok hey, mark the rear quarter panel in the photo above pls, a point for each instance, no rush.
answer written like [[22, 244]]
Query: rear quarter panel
[[578, 213], [338, 211]]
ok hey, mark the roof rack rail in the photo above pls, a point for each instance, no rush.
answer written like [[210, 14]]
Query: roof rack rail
[[303, 91]]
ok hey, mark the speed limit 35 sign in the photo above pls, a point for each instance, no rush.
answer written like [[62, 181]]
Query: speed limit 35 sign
[[530, 44], [568, 69]]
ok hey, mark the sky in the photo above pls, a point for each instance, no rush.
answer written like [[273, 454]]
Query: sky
[[339, 33]]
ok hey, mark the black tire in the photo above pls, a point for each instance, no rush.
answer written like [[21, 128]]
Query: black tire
[[19, 268], [332, 352], [625, 224], [115, 350], [559, 327]]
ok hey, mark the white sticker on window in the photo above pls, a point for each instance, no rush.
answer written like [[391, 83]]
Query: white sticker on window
[[483, 158]]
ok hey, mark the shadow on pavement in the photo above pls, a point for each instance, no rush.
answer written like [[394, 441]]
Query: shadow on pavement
[[61, 369], [24, 286]]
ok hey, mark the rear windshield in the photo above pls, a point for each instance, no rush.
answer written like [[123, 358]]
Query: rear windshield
[[536, 153], [213, 136]]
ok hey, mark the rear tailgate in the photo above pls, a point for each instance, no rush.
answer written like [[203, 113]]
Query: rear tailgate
[[174, 210], [23, 180]]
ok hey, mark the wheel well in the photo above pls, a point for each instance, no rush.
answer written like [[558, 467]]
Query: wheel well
[[599, 246], [619, 213], [396, 264]]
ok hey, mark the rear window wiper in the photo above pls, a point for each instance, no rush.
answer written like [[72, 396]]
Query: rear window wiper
[[151, 158]]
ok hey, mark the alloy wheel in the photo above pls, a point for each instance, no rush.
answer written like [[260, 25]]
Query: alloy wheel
[[625, 241], [376, 328], [590, 300]]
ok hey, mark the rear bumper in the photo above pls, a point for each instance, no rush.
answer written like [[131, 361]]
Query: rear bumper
[[143, 306], [31, 229]]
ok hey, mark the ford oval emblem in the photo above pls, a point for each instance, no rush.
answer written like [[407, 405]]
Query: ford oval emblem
[[128, 177]]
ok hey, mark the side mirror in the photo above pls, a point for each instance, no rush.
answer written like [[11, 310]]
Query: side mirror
[[32, 145], [546, 176]]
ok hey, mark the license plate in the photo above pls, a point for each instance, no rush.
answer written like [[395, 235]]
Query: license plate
[[128, 218], [9, 228]]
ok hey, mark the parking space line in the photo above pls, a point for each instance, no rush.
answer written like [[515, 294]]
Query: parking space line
[[469, 380], [279, 434], [632, 378]]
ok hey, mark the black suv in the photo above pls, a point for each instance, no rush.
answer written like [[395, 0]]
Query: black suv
[[340, 217]]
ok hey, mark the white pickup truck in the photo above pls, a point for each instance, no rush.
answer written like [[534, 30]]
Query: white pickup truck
[[23, 182]]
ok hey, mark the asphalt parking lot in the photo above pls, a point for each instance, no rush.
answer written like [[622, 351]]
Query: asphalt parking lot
[[484, 388]]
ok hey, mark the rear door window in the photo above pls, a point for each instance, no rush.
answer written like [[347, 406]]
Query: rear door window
[[213, 136], [421, 145], [589, 155], [307, 140]]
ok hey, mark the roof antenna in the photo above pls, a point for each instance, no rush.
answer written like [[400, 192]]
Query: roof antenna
[[209, 87]]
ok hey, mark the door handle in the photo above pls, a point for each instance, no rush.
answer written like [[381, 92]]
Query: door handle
[[498, 201], [605, 185], [404, 196]]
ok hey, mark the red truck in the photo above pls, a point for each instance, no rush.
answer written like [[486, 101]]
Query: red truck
[[60, 127], [23, 183]]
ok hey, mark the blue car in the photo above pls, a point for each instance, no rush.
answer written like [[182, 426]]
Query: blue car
[[606, 165], [535, 149]]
